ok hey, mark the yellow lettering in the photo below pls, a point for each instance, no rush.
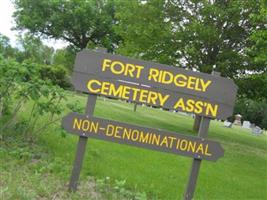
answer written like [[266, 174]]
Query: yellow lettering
[[110, 130], [130, 69], [164, 141], [171, 142], [135, 135], [105, 88], [183, 145], [127, 133], [106, 63], [85, 125], [77, 123], [89, 86], [152, 98], [198, 107], [115, 91], [191, 82], [211, 109], [180, 104], [135, 91], [178, 144], [117, 132], [200, 149], [167, 77], [162, 99], [205, 84], [143, 138], [206, 150], [125, 92], [197, 88], [180, 83], [119, 70], [153, 74], [94, 127], [191, 146], [143, 96], [190, 105], [155, 139], [139, 69]]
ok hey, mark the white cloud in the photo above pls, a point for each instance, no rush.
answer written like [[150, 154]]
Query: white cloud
[[7, 22]]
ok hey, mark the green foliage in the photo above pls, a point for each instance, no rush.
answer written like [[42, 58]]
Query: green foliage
[[225, 36], [12, 76], [5, 48], [79, 22], [117, 190], [253, 86], [145, 31], [202, 35], [45, 175], [45, 166], [253, 111], [57, 74], [33, 49], [258, 38], [21, 83], [65, 57]]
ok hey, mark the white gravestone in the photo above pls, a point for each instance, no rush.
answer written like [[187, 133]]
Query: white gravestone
[[257, 130], [227, 124], [246, 124]]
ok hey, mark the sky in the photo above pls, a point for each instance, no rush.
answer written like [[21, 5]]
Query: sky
[[7, 22]]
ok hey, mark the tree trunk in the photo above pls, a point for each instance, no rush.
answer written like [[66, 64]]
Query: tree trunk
[[135, 106]]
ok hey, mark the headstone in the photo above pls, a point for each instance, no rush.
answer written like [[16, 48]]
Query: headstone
[[252, 125], [257, 130], [227, 124], [238, 120], [246, 124]]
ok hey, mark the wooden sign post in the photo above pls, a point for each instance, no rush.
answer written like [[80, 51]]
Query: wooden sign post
[[81, 146], [191, 185], [205, 95]]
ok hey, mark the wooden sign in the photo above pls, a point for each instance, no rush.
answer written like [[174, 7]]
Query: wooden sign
[[100, 73], [154, 84], [148, 138]]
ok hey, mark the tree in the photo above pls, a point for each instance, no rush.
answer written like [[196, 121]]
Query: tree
[[201, 35], [145, 30], [33, 48], [254, 111], [198, 35], [21, 85], [5, 48], [257, 50], [253, 86], [82, 23], [64, 57]]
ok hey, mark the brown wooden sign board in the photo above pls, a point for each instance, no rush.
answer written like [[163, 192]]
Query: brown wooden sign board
[[148, 138], [196, 91], [100, 73], [95, 84]]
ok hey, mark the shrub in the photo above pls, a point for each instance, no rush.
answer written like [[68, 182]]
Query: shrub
[[21, 84], [253, 111], [57, 74]]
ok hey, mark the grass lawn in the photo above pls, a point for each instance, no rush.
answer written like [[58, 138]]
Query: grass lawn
[[45, 169]]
